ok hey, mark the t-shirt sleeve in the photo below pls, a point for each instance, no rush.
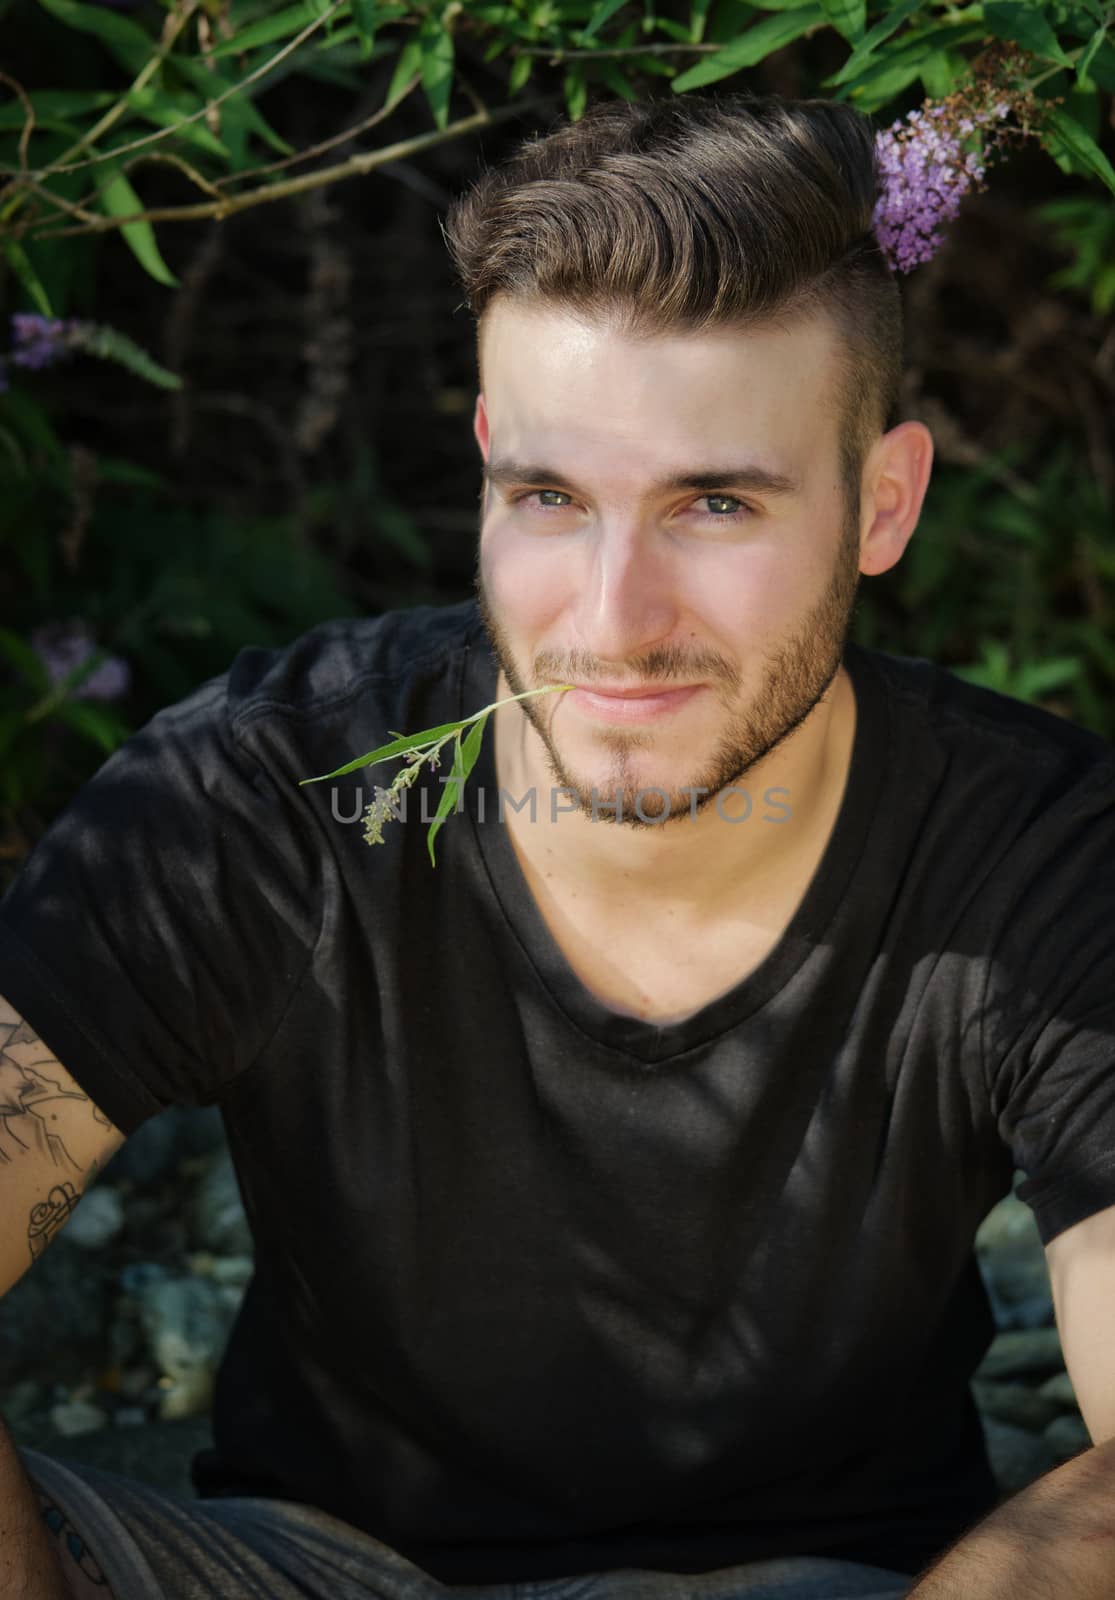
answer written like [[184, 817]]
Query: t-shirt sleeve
[[1049, 1020], [159, 929]]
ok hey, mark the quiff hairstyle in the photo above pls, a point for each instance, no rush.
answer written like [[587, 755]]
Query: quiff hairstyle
[[686, 214]]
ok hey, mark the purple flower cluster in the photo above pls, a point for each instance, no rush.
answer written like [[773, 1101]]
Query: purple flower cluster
[[925, 174], [62, 647], [39, 341]]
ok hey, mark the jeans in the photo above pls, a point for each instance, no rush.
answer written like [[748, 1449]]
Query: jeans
[[151, 1545]]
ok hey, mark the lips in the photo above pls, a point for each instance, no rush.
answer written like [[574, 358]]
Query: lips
[[631, 705], [646, 691]]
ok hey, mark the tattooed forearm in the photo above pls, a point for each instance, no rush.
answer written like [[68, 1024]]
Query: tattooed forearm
[[53, 1140], [32, 1100], [49, 1215]]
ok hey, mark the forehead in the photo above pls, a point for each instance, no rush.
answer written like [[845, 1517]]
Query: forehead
[[556, 377]]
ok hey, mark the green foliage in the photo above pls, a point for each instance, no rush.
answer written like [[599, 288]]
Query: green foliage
[[1010, 575], [1088, 231], [173, 595], [183, 97], [1009, 580]]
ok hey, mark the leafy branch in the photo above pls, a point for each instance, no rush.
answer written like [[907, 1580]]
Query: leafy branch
[[424, 749], [356, 166]]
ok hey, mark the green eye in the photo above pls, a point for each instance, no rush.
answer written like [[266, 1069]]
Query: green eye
[[724, 505]]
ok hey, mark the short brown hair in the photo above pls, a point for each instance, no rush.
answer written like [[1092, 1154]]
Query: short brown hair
[[693, 212]]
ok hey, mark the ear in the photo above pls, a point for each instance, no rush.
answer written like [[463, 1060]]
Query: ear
[[896, 478], [480, 427]]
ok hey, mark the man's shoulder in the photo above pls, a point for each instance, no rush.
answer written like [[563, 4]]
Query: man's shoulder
[[960, 715], [339, 662]]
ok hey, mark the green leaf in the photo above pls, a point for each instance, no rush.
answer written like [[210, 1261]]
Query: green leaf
[[698, 17], [336, 44], [1066, 140], [27, 276], [119, 199], [1083, 105], [1039, 677], [521, 69], [941, 72], [1103, 291], [237, 110], [887, 80], [164, 113], [408, 66], [366, 15], [109, 344], [126, 40], [616, 81], [576, 93], [1101, 68], [654, 65], [604, 11], [50, 105], [910, 52], [436, 41], [874, 36], [755, 45], [383, 752], [1086, 59], [100, 725], [464, 759], [848, 17], [472, 744], [1021, 22], [450, 790], [269, 30], [672, 29]]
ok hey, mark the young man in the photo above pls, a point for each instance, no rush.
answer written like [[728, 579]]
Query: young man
[[613, 1183]]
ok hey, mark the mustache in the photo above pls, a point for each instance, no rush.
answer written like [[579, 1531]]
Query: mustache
[[666, 664]]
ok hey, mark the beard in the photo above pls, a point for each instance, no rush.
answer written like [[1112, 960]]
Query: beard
[[795, 676]]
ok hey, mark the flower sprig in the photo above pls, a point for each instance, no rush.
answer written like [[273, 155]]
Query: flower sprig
[[424, 749]]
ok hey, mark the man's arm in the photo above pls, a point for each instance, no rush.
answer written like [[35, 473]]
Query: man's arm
[[53, 1142], [1055, 1540], [30, 1564], [1057, 1537]]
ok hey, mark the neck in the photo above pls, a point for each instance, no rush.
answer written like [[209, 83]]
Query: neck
[[704, 861]]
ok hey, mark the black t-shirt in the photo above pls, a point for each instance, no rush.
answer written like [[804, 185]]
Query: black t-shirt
[[542, 1289]]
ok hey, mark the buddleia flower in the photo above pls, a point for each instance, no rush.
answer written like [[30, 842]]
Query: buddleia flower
[[924, 174]]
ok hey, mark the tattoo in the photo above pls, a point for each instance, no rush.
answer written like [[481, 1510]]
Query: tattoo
[[30, 1099], [34, 1106], [64, 1530], [49, 1215]]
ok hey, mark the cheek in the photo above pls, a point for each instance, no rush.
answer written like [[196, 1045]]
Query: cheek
[[528, 581], [753, 591]]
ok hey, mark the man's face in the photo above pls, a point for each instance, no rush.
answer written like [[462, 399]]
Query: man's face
[[628, 541]]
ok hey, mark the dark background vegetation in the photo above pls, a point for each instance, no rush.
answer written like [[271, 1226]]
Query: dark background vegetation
[[319, 458]]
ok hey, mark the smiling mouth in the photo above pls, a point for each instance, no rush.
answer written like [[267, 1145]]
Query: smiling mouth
[[629, 705]]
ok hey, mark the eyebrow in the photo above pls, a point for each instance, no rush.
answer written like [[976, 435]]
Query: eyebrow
[[750, 475]]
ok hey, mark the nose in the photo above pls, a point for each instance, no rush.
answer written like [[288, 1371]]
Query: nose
[[628, 598]]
